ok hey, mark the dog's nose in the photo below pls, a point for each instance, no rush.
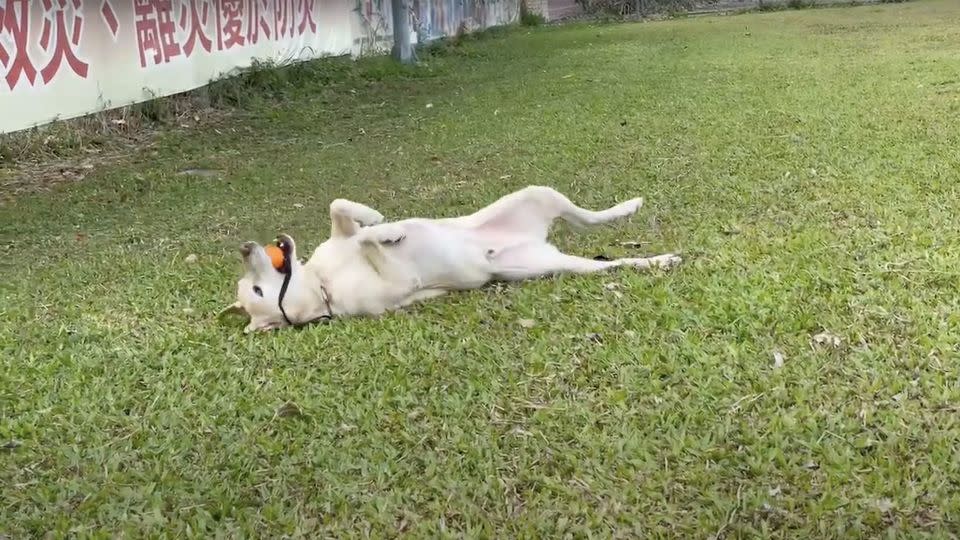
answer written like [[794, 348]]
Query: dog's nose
[[246, 248]]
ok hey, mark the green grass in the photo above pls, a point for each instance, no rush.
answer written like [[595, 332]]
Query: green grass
[[806, 163]]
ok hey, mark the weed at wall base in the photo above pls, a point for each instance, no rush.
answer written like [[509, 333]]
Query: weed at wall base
[[530, 18]]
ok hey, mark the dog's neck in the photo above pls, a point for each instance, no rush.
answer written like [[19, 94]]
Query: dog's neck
[[321, 292]]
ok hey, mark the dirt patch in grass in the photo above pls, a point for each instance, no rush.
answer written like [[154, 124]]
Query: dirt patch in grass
[[43, 158]]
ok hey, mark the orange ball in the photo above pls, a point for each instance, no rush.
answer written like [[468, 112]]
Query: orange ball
[[276, 256]]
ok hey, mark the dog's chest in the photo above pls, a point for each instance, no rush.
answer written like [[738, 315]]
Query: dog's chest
[[352, 283]]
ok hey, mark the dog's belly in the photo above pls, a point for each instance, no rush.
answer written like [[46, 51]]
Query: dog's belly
[[432, 257], [444, 256]]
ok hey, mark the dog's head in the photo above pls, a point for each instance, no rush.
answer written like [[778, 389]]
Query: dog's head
[[262, 295]]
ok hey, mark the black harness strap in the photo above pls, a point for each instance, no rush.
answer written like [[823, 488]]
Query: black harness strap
[[283, 291], [286, 270]]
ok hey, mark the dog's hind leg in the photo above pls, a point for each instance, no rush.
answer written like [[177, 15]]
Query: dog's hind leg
[[532, 210], [539, 260]]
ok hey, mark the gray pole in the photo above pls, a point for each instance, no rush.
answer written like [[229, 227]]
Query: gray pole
[[402, 50]]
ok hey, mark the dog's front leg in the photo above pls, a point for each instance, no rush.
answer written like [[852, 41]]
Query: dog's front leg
[[346, 217], [373, 243], [385, 233]]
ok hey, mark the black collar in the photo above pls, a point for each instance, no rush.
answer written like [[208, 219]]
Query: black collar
[[328, 316]]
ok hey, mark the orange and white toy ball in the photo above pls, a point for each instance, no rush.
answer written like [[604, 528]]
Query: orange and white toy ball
[[276, 256]]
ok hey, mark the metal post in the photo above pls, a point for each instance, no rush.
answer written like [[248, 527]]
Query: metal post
[[402, 49]]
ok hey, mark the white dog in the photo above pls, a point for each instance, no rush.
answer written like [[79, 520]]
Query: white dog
[[368, 267]]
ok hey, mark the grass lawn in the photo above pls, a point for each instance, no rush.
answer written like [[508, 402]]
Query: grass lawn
[[805, 162]]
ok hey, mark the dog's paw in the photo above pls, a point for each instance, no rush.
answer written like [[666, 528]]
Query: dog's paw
[[384, 234], [668, 260], [626, 208], [371, 218], [389, 234], [391, 240]]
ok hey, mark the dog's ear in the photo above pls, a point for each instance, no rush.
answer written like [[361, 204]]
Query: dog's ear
[[262, 326], [291, 246], [234, 308]]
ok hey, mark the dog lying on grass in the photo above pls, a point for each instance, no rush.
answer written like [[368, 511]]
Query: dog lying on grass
[[367, 267]]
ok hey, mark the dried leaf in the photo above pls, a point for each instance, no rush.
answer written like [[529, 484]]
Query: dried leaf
[[12, 444], [289, 409], [204, 173], [884, 505], [777, 359], [612, 287], [527, 323], [826, 338], [191, 258]]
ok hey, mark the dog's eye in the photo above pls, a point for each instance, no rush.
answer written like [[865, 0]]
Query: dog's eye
[[258, 291]]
